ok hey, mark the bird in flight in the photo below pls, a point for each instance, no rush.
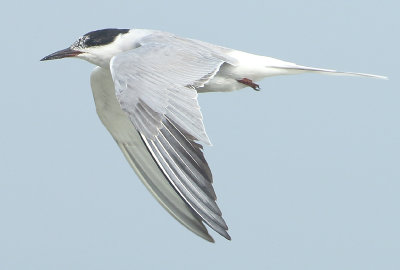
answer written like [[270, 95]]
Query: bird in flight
[[145, 89]]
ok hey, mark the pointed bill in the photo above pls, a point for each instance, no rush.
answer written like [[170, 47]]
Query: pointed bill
[[68, 52]]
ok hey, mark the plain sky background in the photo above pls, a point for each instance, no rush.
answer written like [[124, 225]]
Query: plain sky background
[[307, 170]]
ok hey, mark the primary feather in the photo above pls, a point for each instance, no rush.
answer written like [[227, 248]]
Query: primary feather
[[145, 89]]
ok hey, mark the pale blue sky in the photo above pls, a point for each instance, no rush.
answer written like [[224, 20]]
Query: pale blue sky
[[306, 171]]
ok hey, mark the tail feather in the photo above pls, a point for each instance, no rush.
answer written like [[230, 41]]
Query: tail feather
[[328, 71]]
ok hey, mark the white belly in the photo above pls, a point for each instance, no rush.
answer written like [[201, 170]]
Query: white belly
[[250, 66], [221, 84]]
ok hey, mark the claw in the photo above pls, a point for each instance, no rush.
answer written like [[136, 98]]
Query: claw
[[250, 83]]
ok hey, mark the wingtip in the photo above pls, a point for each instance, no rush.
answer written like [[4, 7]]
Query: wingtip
[[211, 240], [206, 237], [225, 234]]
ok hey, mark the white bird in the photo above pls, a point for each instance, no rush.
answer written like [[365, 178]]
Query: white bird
[[145, 88]]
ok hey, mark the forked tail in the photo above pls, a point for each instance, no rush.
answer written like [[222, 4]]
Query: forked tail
[[326, 71]]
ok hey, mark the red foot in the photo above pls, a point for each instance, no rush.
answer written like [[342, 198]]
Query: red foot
[[250, 83]]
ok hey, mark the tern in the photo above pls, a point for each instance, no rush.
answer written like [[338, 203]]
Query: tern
[[145, 89]]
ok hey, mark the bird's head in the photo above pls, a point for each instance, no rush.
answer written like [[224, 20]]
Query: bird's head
[[97, 47]]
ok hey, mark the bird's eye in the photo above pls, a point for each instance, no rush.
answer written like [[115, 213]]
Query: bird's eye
[[80, 43]]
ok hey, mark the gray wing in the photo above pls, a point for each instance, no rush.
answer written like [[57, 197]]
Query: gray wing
[[156, 86], [137, 154]]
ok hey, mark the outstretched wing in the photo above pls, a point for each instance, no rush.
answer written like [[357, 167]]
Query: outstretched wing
[[156, 85], [136, 152]]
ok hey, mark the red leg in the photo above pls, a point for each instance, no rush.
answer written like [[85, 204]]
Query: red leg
[[250, 83]]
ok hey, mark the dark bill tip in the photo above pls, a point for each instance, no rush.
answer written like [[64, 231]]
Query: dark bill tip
[[61, 54]]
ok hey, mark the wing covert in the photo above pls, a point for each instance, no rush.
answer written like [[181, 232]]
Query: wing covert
[[135, 151], [155, 85], [158, 80]]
